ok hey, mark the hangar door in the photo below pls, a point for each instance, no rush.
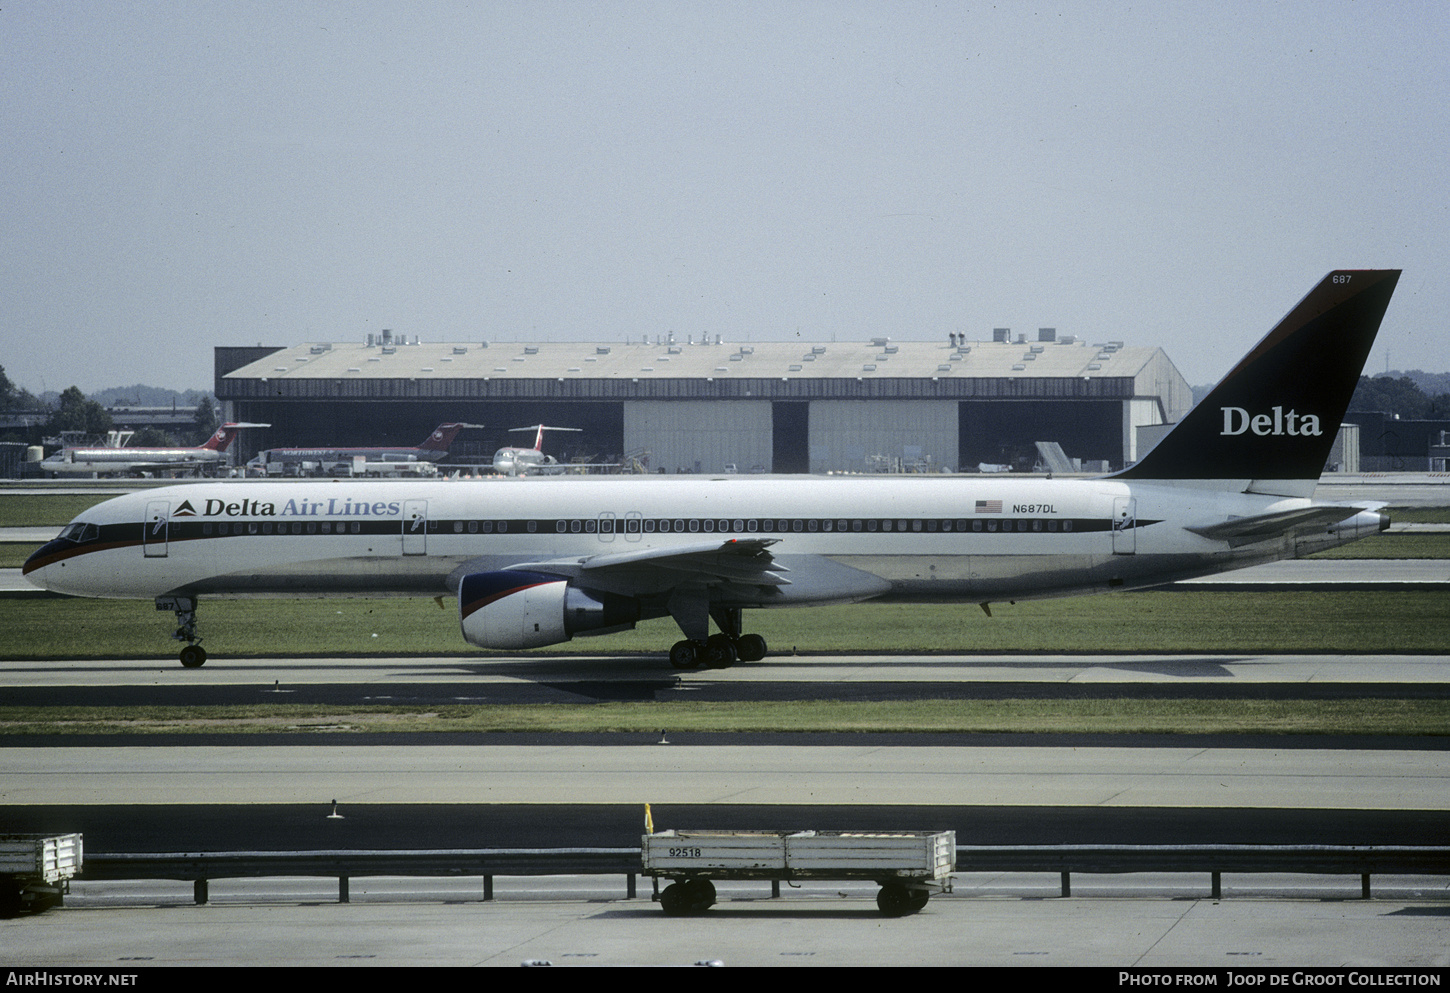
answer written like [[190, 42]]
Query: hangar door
[[700, 435], [883, 435]]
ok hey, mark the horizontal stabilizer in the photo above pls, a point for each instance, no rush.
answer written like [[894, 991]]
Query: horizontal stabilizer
[[1261, 527]]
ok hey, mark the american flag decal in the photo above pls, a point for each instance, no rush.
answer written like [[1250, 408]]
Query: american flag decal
[[989, 507]]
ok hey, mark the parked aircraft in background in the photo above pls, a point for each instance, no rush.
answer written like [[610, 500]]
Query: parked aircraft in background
[[539, 562], [533, 461], [206, 458], [381, 460]]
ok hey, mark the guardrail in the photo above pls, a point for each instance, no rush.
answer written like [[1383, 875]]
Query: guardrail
[[198, 868]]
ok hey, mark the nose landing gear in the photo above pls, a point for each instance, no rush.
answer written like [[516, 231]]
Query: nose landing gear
[[193, 656]]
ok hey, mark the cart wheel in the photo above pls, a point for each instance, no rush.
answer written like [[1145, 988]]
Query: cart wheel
[[674, 901], [895, 901], [11, 900], [701, 894], [919, 899]]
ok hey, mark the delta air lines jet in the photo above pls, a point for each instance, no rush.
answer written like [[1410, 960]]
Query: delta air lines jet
[[536, 562]]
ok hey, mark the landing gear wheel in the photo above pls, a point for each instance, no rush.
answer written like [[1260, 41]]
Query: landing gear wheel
[[895, 900], [193, 655], [719, 652], [750, 647], [685, 655]]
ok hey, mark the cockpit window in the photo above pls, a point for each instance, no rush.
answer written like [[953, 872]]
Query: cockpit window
[[79, 532]]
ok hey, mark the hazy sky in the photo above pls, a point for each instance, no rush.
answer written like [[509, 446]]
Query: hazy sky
[[180, 175]]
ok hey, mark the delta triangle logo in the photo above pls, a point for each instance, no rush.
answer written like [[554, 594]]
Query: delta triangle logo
[[185, 510]]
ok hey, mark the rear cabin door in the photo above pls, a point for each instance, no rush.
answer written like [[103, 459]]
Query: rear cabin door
[[1125, 521], [415, 527]]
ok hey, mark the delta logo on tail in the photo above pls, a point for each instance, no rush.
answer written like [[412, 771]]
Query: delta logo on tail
[[1237, 420]]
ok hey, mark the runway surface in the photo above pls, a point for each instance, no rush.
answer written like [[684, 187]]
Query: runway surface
[[584, 678]]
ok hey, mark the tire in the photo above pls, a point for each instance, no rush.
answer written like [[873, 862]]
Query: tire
[[673, 900], [719, 652], [193, 656], [751, 647], [685, 655], [894, 901], [701, 893], [11, 901]]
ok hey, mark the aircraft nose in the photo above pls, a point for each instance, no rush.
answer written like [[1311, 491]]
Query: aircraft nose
[[34, 568]]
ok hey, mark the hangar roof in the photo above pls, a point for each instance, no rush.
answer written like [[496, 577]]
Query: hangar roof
[[592, 371], [880, 358]]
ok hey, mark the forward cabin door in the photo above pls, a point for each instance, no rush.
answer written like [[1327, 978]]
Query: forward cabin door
[[157, 529], [415, 527], [1125, 520]]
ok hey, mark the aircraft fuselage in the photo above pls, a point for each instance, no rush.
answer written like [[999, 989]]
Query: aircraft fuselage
[[951, 538]]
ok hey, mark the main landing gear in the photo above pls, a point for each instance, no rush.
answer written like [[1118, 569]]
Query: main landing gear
[[193, 656], [719, 651]]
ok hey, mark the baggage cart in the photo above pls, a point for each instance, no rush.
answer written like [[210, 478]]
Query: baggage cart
[[908, 865], [35, 870]]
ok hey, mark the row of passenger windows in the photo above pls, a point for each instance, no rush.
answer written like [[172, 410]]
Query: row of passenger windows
[[635, 525], [223, 528]]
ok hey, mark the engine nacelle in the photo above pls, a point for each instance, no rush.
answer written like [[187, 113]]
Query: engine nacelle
[[532, 609]]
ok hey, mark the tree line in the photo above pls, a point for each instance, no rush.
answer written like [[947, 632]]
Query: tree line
[[74, 411], [1400, 395]]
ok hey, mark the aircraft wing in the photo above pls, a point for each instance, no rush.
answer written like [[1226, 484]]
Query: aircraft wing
[[641, 572], [742, 571], [1245, 530]]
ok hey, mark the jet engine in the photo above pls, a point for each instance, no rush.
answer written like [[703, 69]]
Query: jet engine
[[532, 609]]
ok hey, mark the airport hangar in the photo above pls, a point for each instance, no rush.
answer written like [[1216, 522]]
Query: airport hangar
[[701, 406]]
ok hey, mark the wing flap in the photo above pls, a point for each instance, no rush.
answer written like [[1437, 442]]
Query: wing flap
[[744, 561]]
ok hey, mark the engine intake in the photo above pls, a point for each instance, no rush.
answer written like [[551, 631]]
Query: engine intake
[[532, 609]]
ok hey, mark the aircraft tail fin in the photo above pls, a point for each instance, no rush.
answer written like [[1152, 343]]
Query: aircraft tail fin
[[1272, 420], [226, 434], [442, 437], [541, 428]]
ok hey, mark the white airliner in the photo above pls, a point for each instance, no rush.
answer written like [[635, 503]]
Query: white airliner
[[533, 461], [536, 562], [206, 457]]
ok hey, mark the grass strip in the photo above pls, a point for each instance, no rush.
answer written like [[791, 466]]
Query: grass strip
[[35, 628], [1319, 717]]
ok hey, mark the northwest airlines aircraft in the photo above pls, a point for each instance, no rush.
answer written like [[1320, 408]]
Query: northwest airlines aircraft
[[535, 562]]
